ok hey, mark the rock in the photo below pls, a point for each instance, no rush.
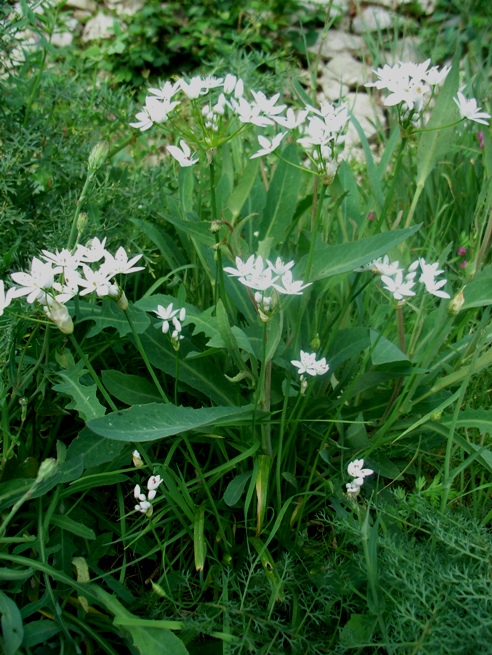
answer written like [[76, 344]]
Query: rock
[[84, 5], [426, 7], [99, 27], [338, 8], [125, 7], [344, 68], [338, 42], [372, 19], [62, 39], [370, 117], [331, 89], [406, 49]]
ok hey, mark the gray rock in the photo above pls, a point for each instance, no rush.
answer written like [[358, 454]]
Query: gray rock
[[84, 5], [99, 27], [372, 19], [331, 89], [125, 7], [337, 42], [406, 49], [347, 70]]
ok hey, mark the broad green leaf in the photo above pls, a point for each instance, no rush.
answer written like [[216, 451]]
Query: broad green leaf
[[346, 344], [238, 197], [357, 632], [281, 197], [384, 351], [333, 260], [345, 185], [39, 632], [150, 641], [478, 292], [235, 488], [12, 629], [108, 315], [84, 397], [66, 523], [374, 178], [186, 185], [151, 422], [473, 418], [437, 139], [196, 372], [94, 481], [130, 389], [192, 227]]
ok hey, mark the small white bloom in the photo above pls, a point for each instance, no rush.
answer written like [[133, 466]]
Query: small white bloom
[[309, 365], [35, 283], [93, 252], [182, 154], [352, 489], [5, 298], [166, 314], [397, 286], [268, 146], [290, 286], [98, 281], [469, 109], [121, 264], [356, 470]]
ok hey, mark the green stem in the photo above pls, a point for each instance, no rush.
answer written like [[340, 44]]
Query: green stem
[[315, 229], [92, 372], [143, 354], [176, 375]]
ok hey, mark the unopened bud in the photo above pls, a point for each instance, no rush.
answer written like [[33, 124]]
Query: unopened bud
[[215, 226], [456, 303], [98, 156], [315, 343], [82, 221], [46, 469], [137, 459], [58, 313]]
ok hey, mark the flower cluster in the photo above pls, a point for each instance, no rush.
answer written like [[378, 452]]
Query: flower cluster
[[400, 284], [411, 88], [308, 364], [174, 317], [144, 505], [355, 470], [221, 108], [57, 277], [266, 280]]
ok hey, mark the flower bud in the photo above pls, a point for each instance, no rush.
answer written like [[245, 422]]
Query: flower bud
[[46, 469], [82, 221], [215, 226], [137, 459], [456, 303], [58, 313], [98, 156]]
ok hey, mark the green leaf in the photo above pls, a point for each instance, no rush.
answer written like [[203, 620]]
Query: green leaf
[[84, 397], [157, 421], [333, 260], [281, 197], [39, 632], [478, 292], [238, 197], [235, 488], [357, 632], [196, 372], [149, 641], [186, 185], [130, 389], [15, 574], [384, 351], [108, 315], [68, 524], [473, 418], [12, 629], [434, 142], [193, 228]]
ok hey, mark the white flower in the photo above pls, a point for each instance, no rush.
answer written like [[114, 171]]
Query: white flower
[[279, 268], [182, 154], [138, 493], [145, 508], [470, 110], [290, 121], [98, 281], [167, 90], [5, 298], [35, 284], [290, 286], [63, 258], [259, 281], [267, 105], [121, 264], [268, 146], [352, 489], [166, 314], [250, 113], [244, 268], [94, 252], [309, 365], [397, 286], [137, 459], [356, 471]]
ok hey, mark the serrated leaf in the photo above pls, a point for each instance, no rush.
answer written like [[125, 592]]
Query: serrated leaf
[[333, 260], [473, 418], [108, 315], [84, 397], [151, 422]]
